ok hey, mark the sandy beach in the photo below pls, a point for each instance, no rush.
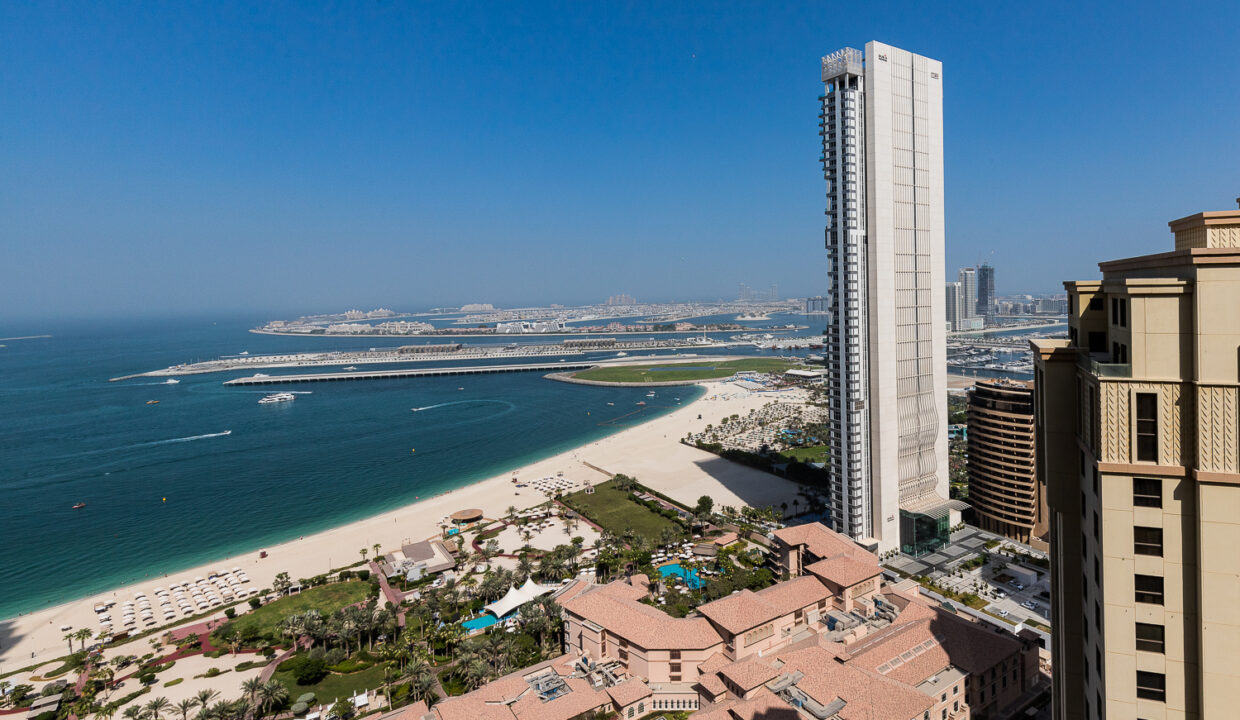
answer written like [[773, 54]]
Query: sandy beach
[[651, 452]]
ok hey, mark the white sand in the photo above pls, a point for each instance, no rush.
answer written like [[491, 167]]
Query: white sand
[[651, 452]]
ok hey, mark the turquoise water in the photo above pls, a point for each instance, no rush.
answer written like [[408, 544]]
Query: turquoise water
[[691, 577], [483, 621], [166, 489]]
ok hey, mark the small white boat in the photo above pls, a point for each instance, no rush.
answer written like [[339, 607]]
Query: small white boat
[[277, 398], [351, 367], [172, 381]]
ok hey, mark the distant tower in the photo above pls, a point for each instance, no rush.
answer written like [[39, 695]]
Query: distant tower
[[882, 157], [968, 293], [953, 306], [985, 290]]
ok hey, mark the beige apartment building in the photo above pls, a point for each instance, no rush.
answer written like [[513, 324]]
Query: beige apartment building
[[1003, 487], [1137, 418]]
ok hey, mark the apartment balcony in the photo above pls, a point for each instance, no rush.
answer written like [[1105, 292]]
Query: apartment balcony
[[1094, 364]]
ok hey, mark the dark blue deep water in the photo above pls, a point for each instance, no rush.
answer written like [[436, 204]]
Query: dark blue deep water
[[165, 490]]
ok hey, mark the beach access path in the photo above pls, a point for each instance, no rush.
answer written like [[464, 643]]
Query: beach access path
[[651, 452]]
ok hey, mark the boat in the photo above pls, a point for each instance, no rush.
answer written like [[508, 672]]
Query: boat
[[172, 381], [611, 403], [152, 402], [351, 367], [413, 451], [244, 352], [79, 506], [460, 388], [641, 402], [277, 398], [261, 375], [622, 354]]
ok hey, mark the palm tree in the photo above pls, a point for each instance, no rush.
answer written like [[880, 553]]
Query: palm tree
[[134, 712], [105, 712], [155, 708], [376, 547], [250, 688], [363, 553], [69, 636], [185, 707], [422, 687], [205, 698], [82, 636], [271, 696], [475, 673], [510, 512]]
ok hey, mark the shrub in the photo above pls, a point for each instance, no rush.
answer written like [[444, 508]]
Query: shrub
[[269, 652], [254, 603], [146, 678], [300, 708], [345, 575], [363, 574], [306, 670], [334, 656], [345, 667], [47, 715], [230, 613], [212, 672], [306, 698], [174, 681]]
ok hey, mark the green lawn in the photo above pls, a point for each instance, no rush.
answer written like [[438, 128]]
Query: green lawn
[[325, 598], [704, 369], [812, 453], [335, 686], [613, 509]]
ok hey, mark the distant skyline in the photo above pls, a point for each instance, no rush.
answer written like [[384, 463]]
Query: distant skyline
[[290, 158]]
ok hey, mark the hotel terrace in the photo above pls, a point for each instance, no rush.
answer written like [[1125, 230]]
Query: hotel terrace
[[830, 642]]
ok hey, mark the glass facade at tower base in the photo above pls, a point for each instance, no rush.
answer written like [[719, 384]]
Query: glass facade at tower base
[[922, 534]]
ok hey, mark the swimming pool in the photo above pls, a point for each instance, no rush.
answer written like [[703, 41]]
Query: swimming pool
[[482, 621], [691, 577]]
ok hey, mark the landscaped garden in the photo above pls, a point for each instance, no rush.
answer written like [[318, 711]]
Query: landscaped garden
[[261, 625], [619, 512], [683, 372]]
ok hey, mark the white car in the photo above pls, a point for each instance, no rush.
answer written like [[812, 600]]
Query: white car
[[1003, 613]]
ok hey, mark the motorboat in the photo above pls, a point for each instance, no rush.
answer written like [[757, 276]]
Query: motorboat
[[152, 402], [277, 398], [79, 506]]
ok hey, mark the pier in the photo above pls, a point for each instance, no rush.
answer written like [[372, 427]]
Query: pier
[[418, 372]]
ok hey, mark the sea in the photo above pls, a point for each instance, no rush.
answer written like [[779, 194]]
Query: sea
[[208, 473]]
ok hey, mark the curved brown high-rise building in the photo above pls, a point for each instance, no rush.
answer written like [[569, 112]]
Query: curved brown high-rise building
[[1003, 487]]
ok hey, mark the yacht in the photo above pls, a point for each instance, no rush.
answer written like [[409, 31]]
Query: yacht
[[277, 398], [172, 381]]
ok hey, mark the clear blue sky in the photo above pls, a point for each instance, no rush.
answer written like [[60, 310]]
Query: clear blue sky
[[160, 158]]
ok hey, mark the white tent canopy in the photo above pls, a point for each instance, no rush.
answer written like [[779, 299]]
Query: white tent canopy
[[516, 597]]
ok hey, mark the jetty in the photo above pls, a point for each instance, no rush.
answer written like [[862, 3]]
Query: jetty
[[418, 372]]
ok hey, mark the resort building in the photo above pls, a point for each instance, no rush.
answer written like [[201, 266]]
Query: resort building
[[881, 122], [1003, 486], [1138, 444], [787, 651]]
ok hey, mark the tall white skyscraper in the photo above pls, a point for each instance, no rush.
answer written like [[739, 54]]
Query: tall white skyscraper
[[968, 292], [882, 156], [952, 307]]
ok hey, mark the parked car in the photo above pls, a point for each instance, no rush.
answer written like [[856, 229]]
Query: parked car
[[1000, 594], [1003, 613], [1029, 604]]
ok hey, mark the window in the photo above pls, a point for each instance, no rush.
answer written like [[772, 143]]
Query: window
[[1147, 492], [1149, 589], [1151, 686], [1094, 475], [1097, 527], [1097, 342], [1147, 541], [1097, 303], [1097, 572], [1150, 638], [1147, 427], [674, 654]]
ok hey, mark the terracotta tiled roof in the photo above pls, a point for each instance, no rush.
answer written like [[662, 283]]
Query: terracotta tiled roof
[[739, 612], [749, 673], [822, 541], [866, 694], [796, 594], [628, 692], [924, 640], [613, 608], [844, 570]]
